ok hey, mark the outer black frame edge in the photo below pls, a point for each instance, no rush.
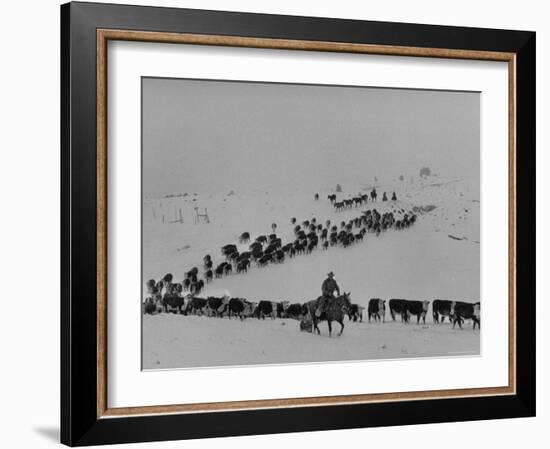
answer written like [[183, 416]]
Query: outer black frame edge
[[65, 405], [79, 424]]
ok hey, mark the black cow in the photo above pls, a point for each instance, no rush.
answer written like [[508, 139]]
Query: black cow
[[296, 311], [186, 283], [244, 237], [220, 269], [173, 300], [261, 239], [256, 246], [242, 266], [237, 307], [208, 275], [417, 308], [281, 309], [215, 305], [227, 249], [397, 308], [440, 309], [244, 256], [265, 308], [265, 259], [196, 305], [355, 313], [461, 311], [196, 286], [377, 309]]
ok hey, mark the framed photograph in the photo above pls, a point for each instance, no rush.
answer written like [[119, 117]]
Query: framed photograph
[[284, 224]]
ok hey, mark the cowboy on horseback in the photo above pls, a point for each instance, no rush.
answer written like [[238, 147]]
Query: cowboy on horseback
[[328, 287]]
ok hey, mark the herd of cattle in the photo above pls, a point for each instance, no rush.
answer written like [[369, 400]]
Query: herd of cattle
[[165, 296], [308, 236], [357, 200]]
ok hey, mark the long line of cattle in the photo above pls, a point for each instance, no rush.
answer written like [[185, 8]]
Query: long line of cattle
[[308, 236], [171, 300]]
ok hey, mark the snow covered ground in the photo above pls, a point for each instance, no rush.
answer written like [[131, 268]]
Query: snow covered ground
[[438, 257]]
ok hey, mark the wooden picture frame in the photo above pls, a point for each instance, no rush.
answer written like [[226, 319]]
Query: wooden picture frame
[[85, 416]]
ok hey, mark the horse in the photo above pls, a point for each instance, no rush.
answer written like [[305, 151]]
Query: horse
[[373, 194], [335, 310]]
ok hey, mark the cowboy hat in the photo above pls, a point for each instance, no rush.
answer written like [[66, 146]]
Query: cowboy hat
[[330, 274]]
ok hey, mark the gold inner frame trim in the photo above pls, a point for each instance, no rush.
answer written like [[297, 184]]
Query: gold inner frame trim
[[104, 35]]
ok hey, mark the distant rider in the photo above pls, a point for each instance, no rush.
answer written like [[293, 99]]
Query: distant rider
[[328, 288]]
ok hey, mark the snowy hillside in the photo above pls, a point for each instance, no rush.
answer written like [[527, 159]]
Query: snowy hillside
[[437, 257]]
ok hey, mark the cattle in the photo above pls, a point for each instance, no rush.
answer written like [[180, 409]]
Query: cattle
[[186, 284], [239, 307], [265, 259], [196, 305], [244, 237], [197, 286], [261, 239], [293, 220], [257, 254], [242, 266], [228, 269], [440, 309], [233, 256], [355, 313], [417, 308], [296, 311], [244, 256], [377, 309], [227, 249], [193, 272], [397, 307], [150, 306], [461, 311], [216, 305], [316, 197], [208, 265], [277, 242], [249, 308], [208, 276], [280, 256], [287, 248], [235, 307], [332, 198], [266, 308], [271, 248], [172, 299], [256, 246], [220, 269]]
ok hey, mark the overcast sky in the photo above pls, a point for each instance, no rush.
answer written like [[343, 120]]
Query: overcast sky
[[216, 136]]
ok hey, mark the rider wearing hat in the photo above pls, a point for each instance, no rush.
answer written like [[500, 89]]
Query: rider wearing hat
[[328, 287]]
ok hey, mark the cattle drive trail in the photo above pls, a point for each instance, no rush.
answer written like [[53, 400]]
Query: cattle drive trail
[[397, 264]]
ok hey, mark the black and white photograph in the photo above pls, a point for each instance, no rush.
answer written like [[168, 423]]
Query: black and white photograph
[[294, 223]]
